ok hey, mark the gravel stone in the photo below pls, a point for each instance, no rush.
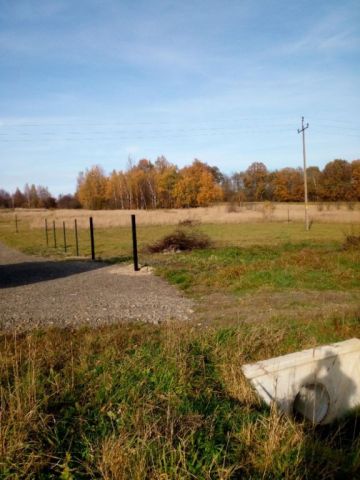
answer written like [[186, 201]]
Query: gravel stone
[[37, 292]]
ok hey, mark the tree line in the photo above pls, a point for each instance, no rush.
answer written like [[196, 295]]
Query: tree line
[[161, 184]]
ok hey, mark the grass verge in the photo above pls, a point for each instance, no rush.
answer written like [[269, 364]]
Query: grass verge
[[147, 402]]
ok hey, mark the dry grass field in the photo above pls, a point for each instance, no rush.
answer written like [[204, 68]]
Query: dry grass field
[[223, 214]]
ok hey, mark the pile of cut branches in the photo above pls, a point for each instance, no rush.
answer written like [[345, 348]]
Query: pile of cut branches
[[181, 240]]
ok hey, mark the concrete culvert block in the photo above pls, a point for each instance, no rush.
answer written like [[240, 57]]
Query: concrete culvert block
[[319, 384]]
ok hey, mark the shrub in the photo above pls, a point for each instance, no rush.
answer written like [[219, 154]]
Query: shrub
[[351, 241]]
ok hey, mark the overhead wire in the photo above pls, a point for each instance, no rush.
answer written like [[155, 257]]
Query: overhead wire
[[31, 132]]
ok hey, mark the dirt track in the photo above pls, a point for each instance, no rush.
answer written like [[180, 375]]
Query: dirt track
[[37, 292]]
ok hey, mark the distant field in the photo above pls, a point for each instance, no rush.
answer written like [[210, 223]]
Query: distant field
[[248, 212]]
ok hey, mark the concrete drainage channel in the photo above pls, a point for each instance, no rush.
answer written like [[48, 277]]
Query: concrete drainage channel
[[319, 384]]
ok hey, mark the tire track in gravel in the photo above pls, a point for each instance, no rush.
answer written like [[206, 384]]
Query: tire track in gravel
[[38, 292]]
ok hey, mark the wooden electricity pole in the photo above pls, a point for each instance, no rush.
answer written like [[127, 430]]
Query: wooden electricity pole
[[302, 130]]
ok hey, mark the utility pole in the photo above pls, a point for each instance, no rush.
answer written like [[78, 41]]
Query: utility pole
[[302, 130]]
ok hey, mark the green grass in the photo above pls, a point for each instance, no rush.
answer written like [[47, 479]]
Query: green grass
[[148, 402], [278, 267]]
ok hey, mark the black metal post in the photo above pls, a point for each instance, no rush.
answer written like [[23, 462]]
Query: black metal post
[[54, 232], [16, 224], [46, 233], [64, 232], [135, 252], [92, 239], [76, 238]]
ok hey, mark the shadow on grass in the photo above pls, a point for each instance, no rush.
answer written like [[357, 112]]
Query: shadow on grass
[[332, 451]]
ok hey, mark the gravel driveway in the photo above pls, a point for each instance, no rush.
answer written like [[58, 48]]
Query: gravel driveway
[[37, 292]]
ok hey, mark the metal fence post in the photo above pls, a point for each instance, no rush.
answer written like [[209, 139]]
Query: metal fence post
[[92, 239], [135, 252], [54, 232], [46, 233], [64, 232], [76, 238]]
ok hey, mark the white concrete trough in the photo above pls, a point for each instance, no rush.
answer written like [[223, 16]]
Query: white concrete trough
[[320, 384]]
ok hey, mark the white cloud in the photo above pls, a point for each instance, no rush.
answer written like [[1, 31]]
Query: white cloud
[[334, 33]]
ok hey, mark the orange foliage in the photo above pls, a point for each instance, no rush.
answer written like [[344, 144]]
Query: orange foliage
[[162, 185], [289, 185], [92, 188], [355, 174], [196, 186]]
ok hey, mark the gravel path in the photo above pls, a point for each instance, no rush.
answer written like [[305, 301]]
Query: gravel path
[[37, 292]]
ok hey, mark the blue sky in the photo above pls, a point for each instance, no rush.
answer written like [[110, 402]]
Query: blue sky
[[93, 81]]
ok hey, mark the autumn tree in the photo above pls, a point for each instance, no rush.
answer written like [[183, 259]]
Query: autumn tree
[[5, 199], [196, 186], [186, 189], [288, 185], [91, 188], [355, 179], [238, 187], [336, 181], [31, 195], [167, 176], [68, 201], [19, 199], [256, 182], [136, 185], [116, 191], [45, 199], [227, 188], [149, 183]]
